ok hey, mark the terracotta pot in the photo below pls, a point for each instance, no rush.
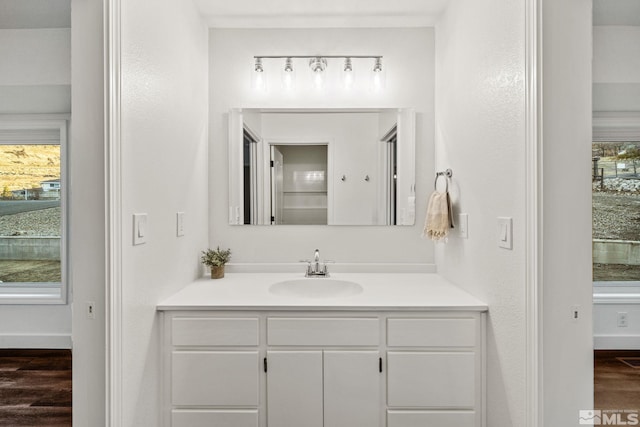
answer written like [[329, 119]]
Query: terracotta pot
[[217, 272]]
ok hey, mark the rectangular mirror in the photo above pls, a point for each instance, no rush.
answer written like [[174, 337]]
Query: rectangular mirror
[[321, 166]]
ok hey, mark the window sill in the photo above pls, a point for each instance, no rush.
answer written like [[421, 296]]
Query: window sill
[[616, 292], [31, 293]]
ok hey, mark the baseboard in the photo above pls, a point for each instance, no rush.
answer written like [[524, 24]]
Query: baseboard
[[36, 341], [616, 342]]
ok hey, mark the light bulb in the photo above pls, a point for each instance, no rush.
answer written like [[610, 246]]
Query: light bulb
[[348, 77], [378, 78], [288, 76], [318, 65], [318, 80], [259, 77]]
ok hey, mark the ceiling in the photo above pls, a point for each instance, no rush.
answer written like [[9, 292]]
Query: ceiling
[[616, 12], [319, 14], [18, 14]]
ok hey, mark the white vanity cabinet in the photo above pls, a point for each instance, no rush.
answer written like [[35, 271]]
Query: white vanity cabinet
[[323, 368], [434, 371]]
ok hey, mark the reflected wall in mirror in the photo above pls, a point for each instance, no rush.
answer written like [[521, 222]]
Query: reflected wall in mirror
[[322, 167]]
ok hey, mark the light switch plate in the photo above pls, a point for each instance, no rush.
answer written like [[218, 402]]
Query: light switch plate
[[505, 232], [180, 224], [139, 228], [463, 225]]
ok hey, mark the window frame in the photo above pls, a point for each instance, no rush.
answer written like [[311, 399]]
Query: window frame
[[43, 293]]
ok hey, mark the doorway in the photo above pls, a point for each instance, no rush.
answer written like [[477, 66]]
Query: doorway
[[616, 203], [299, 190]]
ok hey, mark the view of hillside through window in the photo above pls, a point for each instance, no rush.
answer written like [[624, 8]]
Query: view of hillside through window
[[616, 211], [30, 213]]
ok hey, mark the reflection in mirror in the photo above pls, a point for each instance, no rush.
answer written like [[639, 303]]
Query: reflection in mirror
[[322, 167]]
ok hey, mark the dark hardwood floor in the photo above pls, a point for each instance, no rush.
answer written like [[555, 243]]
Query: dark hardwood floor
[[35, 388], [616, 384]]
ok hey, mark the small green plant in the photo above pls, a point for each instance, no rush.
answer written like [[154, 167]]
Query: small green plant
[[216, 258], [6, 193]]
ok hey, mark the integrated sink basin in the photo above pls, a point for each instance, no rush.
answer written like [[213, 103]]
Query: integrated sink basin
[[316, 288]]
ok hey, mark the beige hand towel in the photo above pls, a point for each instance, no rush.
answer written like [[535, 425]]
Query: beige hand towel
[[439, 216]]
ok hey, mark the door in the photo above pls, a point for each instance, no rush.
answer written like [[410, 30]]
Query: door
[[277, 185], [351, 389], [323, 389], [294, 389]]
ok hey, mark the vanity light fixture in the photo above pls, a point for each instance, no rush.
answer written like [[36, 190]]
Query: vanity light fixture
[[318, 65], [288, 75]]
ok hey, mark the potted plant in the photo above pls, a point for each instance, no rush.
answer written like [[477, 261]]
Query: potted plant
[[216, 259]]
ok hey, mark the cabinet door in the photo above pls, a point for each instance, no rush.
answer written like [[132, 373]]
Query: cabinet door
[[294, 389], [351, 389]]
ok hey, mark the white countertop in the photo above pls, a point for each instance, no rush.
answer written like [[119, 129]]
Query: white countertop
[[381, 291]]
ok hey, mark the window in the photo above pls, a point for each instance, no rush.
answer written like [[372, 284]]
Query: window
[[616, 211], [32, 211]]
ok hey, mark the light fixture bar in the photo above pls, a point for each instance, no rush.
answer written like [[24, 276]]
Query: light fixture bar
[[317, 56]]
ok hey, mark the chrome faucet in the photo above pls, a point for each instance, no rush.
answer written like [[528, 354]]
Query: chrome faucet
[[313, 267]]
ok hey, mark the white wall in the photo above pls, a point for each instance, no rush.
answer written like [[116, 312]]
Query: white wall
[[610, 300], [409, 59], [616, 60], [87, 212], [566, 279], [35, 71], [164, 171], [480, 136], [35, 78]]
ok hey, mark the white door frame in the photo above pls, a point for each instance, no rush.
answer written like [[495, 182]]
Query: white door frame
[[533, 160], [113, 217], [533, 214]]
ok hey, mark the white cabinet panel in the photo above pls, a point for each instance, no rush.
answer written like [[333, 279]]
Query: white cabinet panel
[[294, 389], [431, 332], [431, 418], [219, 378], [323, 331], [214, 331], [351, 389], [431, 380], [214, 418]]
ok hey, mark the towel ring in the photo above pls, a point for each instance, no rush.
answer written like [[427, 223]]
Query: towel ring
[[447, 174]]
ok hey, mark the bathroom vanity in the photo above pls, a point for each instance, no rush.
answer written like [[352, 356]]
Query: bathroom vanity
[[373, 350]]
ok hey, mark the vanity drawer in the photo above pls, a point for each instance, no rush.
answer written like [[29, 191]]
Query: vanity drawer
[[431, 418], [200, 331], [217, 418], [323, 331], [215, 378], [431, 332]]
